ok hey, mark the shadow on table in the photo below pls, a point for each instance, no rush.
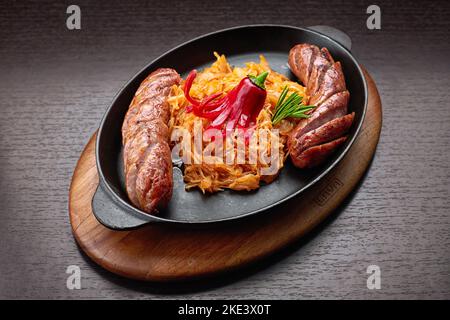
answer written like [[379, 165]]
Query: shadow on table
[[221, 280]]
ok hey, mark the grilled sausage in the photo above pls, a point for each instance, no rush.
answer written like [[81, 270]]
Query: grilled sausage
[[332, 82], [320, 65], [330, 131], [315, 138], [300, 60], [317, 154], [334, 107], [145, 137]]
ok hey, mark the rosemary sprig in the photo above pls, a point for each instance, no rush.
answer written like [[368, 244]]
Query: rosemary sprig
[[291, 106]]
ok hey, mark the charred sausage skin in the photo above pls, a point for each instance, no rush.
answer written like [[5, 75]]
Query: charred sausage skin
[[314, 139], [145, 137]]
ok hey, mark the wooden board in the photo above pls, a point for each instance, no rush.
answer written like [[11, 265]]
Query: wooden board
[[159, 252]]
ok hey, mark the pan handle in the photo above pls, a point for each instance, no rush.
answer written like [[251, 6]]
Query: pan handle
[[335, 34], [114, 215]]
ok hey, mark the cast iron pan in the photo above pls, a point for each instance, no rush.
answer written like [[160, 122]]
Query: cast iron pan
[[240, 44]]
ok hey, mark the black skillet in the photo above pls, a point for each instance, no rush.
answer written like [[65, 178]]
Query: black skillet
[[240, 44]]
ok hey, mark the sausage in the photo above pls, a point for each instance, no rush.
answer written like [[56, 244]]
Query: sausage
[[316, 155], [316, 138], [331, 130], [332, 82], [145, 137], [300, 60], [334, 107], [320, 65]]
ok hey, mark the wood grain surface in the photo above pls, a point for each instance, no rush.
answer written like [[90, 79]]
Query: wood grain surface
[[159, 252], [55, 85]]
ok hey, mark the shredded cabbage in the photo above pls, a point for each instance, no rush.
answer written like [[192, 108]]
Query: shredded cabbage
[[221, 77]]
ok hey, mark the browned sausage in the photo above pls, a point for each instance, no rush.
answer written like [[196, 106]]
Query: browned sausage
[[334, 107], [320, 65], [145, 136], [331, 130], [315, 138], [316, 155], [332, 82], [300, 60]]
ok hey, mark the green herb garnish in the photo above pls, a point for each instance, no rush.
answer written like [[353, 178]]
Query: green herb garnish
[[290, 107]]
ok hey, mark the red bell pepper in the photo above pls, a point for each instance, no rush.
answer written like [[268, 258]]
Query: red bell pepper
[[240, 107]]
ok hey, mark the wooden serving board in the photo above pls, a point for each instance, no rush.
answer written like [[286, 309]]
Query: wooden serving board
[[158, 252]]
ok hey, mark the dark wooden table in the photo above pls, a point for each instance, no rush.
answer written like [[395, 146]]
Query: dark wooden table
[[55, 85]]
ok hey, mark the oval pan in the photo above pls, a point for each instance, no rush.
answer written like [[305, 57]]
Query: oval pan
[[240, 45]]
